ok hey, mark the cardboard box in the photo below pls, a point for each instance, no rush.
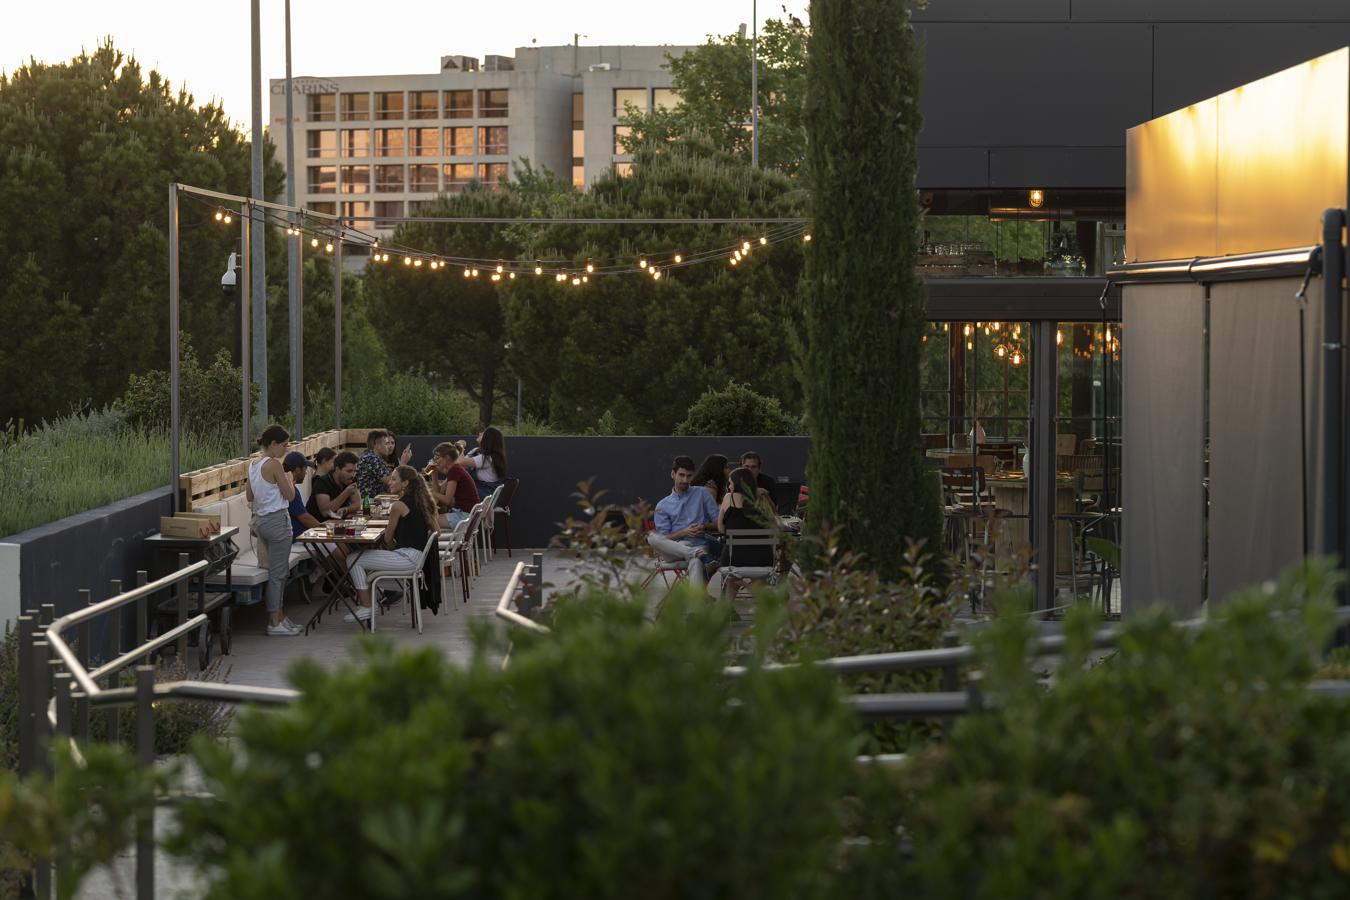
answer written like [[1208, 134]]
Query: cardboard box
[[210, 518], [184, 527]]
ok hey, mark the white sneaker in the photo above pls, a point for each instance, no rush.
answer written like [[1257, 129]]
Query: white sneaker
[[284, 628], [362, 615]]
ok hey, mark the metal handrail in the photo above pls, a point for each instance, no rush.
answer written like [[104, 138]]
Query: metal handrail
[[508, 595], [149, 646]]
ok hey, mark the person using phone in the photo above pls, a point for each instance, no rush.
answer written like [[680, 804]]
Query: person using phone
[[372, 470], [684, 521]]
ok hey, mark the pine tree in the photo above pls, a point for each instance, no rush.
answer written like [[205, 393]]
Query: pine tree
[[865, 308]]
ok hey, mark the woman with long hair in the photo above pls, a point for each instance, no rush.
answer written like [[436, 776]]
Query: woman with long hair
[[412, 517], [712, 474], [742, 509], [269, 490], [487, 461]]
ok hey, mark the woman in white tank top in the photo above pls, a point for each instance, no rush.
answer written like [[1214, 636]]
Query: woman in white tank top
[[270, 491]]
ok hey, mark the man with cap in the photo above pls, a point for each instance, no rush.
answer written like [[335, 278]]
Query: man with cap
[[297, 466]]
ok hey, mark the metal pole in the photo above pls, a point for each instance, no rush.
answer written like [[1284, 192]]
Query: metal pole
[[337, 328], [754, 84], [258, 250], [26, 631], [1041, 486], [173, 347], [294, 272], [40, 672], [245, 292], [85, 639], [113, 714], [1333, 271], [181, 591], [518, 399], [145, 755], [142, 613]]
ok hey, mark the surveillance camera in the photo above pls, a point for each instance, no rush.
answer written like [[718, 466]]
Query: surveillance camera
[[227, 281]]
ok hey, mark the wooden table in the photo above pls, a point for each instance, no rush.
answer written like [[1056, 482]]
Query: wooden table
[[320, 545], [1010, 493]]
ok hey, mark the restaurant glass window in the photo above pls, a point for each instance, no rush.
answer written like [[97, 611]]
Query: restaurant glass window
[[424, 142], [622, 133], [322, 179], [355, 107], [322, 206], [389, 179], [1087, 458], [321, 143], [457, 176], [356, 179], [357, 213], [424, 179], [389, 142], [492, 140], [387, 213], [389, 105], [423, 104], [356, 142], [1008, 245], [493, 174], [493, 103], [459, 104], [623, 97], [321, 107], [665, 98], [459, 141]]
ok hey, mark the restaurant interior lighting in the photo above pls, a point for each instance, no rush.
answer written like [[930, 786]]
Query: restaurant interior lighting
[[1036, 198]]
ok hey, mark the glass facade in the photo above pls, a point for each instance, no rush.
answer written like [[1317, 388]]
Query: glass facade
[[322, 179], [493, 103], [387, 212], [389, 179], [389, 142], [493, 174], [459, 141], [389, 105], [356, 142], [621, 134], [323, 206], [623, 168], [423, 104], [356, 179], [457, 175], [637, 97], [355, 107], [664, 98], [321, 143], [358, 213], [424, 179], [459, 104], [321, 107], [424, 142], [492, 140]]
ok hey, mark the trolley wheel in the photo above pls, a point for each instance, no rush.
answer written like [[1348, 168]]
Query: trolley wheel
[[204, 638], [226, 631]]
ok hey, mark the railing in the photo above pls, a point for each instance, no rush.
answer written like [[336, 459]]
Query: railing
[[54, 676], [528, 580]]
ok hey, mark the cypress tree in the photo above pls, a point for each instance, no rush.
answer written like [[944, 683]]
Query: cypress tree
[[865, 305]]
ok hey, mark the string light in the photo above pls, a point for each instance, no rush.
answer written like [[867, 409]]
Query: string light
[[745, 247], [466, 271], [763, 240], [538, 268], [328, 247], [590, 266], [642, 263], [585, 279], [496, 276], [734, 260], [220, 215], [474, 272], [417, 263], [806, 238], [314, 242], [500, 267], [575, 281], [433, 264], [228, 218], [679, 258], [560, 277], [656, 274], [512, 276], [1016, 359], [407, 260]]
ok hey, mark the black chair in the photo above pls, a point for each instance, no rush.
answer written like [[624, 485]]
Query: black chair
[[503, 508], [785, 494]]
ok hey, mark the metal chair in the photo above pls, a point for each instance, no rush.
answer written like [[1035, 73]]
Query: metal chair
[[452, 558], [741, 541], [503, 508], [412, 573]]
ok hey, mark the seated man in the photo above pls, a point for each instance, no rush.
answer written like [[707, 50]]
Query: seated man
[[295, 465], [373, 469], [683, 520], [335, 494], [452, 487], [763, 483]]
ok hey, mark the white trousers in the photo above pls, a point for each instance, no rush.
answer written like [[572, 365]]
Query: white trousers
[[680, 550], [381, 560]]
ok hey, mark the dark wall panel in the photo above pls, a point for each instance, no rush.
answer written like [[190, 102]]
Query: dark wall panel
[[1210, 10], [958, 167], [1060, 166]]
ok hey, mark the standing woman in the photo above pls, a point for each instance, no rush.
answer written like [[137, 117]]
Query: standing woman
[[488, 461], [270, 490], [412, 517]]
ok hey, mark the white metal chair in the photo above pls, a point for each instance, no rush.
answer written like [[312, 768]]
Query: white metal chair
[[412, 572], [452, 558], [739, 542], [486, 539]]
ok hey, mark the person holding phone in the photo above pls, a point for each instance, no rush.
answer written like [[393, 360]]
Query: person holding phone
[[372, 471]]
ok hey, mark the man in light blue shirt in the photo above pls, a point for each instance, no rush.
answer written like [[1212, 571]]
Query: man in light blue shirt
[[682, 520]]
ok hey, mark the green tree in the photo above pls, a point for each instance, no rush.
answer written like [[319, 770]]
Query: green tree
[[865, 309], [714, 86], [87, 151]]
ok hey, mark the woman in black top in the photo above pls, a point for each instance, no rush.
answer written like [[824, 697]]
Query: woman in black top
[[713, 476], [743, 508], [412, 518]]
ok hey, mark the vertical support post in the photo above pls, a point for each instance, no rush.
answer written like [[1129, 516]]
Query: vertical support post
[[1041, 487], [40, 673], [173, 346], [245, 293], [81, 728], [26, 631], [337, 328], [950, 680], [754, 84], [113, 713], [48, 614], [294, 265], [181, 591], [142, 613], [145, 756], [1333, 378], [537, 578], [258, 191]]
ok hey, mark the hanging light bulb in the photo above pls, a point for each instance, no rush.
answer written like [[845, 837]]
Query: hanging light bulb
[[538, 267], [1016, 358], [228, 218], [559, 277], [433, 265], [967, 331], [576, 281], [970, 345], [328, 247], [1108, 334], [585, 278], [496, 276], [590, 266], [763, 240], [1059, 337], [220, 215], [679, 258], [806, 238], [642, 262], [512, 276], [407, 260], [946, 326], [466, 272], [474, 272], [1000, 351], [745, 246], [417, 263], [656, 274], [734, 260], [500, 267]]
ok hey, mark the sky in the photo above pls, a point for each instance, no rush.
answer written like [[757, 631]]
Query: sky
[[209, 52]]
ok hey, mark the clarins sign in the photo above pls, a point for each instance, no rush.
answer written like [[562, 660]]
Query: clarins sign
[[306, 86]]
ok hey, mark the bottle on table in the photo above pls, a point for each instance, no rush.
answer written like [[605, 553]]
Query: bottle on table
[[365, 504]]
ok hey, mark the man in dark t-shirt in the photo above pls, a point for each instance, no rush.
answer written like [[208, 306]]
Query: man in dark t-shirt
[[452, 486], [334, 493], [763, 483]]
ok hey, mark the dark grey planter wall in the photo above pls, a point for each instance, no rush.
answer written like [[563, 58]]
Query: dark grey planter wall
[[629, 468], [88, 550]]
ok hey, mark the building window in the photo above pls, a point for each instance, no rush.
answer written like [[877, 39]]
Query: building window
[[492, 140], [664, 98], [356, 142], [492, 103], [457, 175], [621, 134], [355, 107], [389, 105], [322, 179], [387, 213], [459, 104], [578, 143], [459, 142], [424, 142], [321, 107], [493, 174], [321, 144], [389, 179], [624, 96], [423, 179], [356, 179], [388, 141], [623, 169], [328, 207], [578, 176], [422, 104], [578, 110], [357, 213]]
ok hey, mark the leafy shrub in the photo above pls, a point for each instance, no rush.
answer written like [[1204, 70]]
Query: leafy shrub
[[736, 409], [405, 402], [208, 396], [1192, 763], [609, 760]]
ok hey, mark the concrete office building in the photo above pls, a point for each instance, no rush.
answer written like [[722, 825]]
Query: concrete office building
[[385, 145]]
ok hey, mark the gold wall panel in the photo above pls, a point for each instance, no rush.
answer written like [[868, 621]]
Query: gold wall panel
[[1249, 170]]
